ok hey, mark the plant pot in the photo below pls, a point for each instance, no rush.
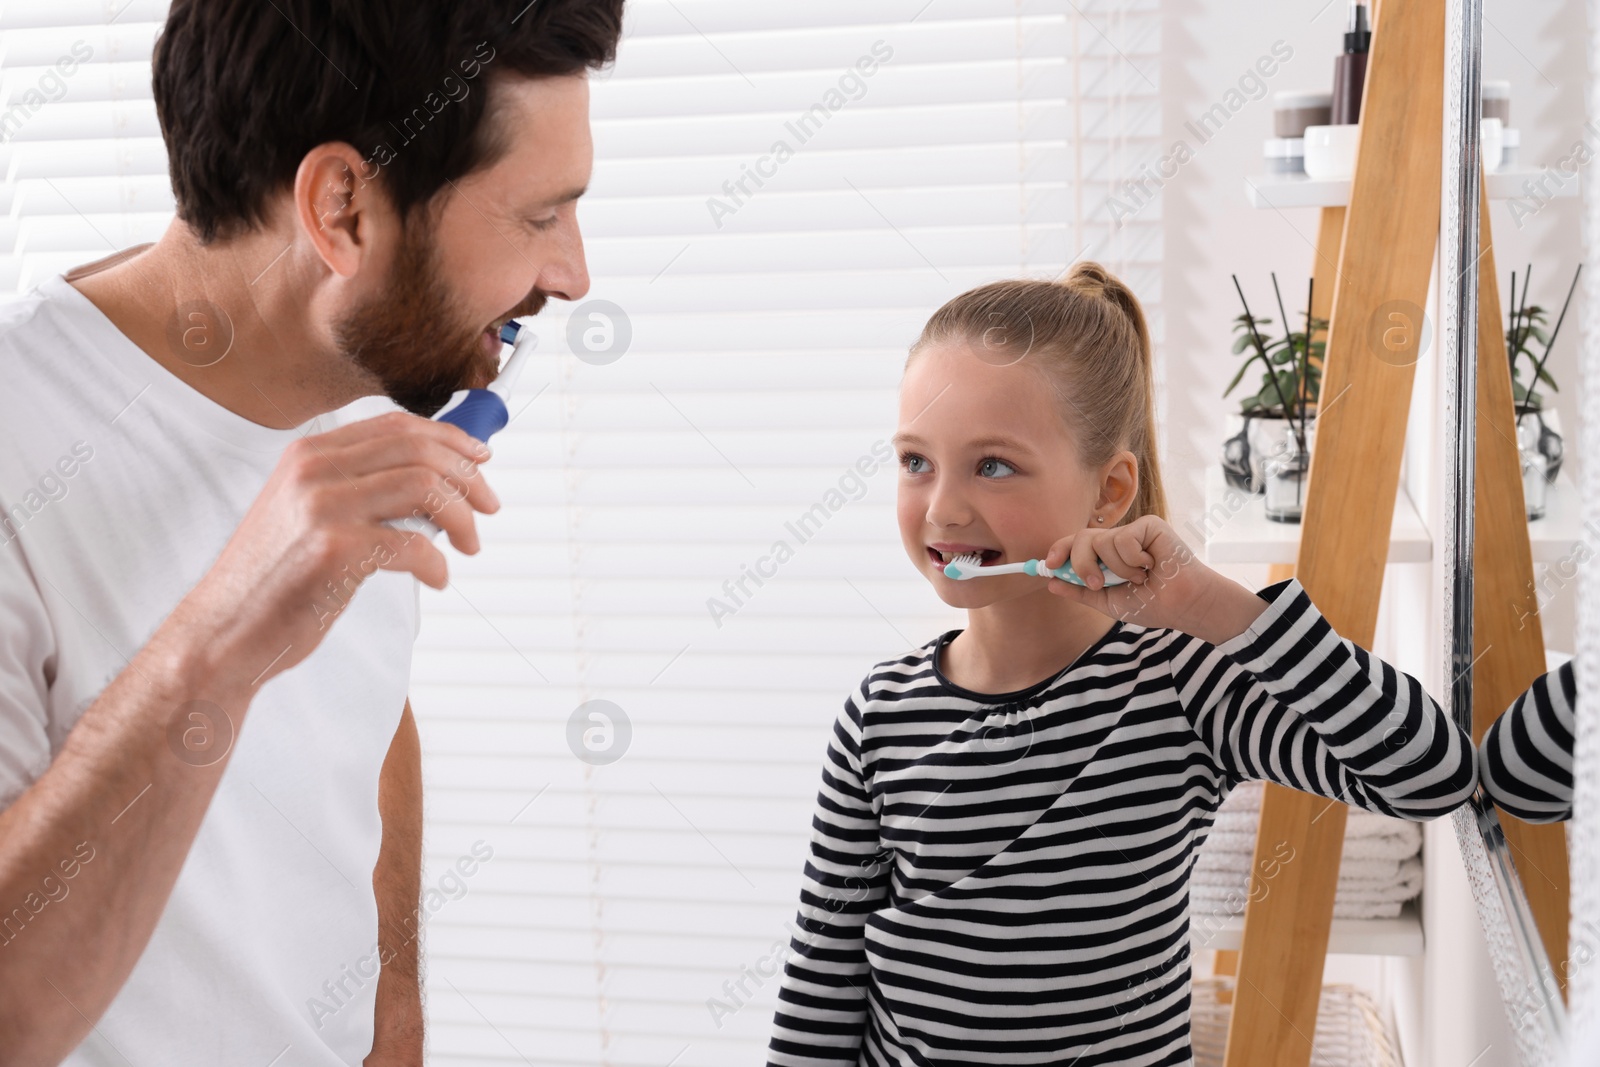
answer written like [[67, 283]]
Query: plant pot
[[1541, 450], [1286, 475], [1539, 429], [1259, 439]]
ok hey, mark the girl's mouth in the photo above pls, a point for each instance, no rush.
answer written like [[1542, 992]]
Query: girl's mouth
[[987, 555]]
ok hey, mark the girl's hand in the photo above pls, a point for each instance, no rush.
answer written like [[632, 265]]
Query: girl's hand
[[1168, 586]]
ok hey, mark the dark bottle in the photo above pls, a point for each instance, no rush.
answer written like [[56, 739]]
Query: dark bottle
[[1350, 69]]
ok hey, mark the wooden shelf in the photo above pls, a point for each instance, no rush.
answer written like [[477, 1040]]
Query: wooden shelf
[[1400, 936], [1237, 529], [1294, 190], [1556, 536]]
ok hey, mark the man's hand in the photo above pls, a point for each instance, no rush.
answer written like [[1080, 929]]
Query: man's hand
[[319, 524], [258, 611]]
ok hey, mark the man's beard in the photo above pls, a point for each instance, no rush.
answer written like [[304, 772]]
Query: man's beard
[[408, 337]]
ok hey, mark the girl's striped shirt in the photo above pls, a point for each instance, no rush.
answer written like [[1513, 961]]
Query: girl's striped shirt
[[1526, 758], [1003, 879]]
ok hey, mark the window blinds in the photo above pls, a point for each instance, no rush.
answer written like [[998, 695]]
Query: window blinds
[[624, 699], [80, 148]]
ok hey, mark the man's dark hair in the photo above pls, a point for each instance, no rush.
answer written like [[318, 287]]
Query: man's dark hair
[[245, 88]]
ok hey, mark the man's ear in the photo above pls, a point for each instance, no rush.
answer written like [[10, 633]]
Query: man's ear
[[337, 206], [1119, 487]]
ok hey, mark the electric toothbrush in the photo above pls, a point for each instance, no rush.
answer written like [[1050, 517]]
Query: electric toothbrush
[[481, 412]]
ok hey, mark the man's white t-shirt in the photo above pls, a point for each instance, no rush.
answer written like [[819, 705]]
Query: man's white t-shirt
[[119, 486]]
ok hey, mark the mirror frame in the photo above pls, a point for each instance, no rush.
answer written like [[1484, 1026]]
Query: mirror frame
[[1528, 986]]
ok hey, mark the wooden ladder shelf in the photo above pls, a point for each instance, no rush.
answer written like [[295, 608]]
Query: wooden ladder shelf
[[1375, 257]]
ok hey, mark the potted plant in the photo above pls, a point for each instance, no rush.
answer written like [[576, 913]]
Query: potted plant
[[1538, 429], [1272, 453]]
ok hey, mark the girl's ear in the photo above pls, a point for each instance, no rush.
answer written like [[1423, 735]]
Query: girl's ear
[[1119, 488]]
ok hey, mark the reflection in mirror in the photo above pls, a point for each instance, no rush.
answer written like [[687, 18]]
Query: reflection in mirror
[[1525, 768], [1510, 620], [1584, 829], [1525, 761]]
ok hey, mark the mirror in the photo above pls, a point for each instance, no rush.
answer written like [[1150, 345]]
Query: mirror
[[1515, 306]]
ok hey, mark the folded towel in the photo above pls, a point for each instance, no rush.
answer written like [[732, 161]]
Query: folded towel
[[1390, 847], [1206, 912], [1214, 892], [1381, 836], [1374, 872], [1378, 869]]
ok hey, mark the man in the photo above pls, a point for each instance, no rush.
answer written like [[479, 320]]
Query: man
[[209, 773]]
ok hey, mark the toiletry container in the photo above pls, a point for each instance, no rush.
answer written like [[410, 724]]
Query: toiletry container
[[1510, 141], [1293, 111], [1497, 101], [1491, 143], [1331, 152], [1350, 68], [1285, 155]]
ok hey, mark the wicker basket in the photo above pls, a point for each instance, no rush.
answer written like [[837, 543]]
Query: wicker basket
[[1351, 1031]]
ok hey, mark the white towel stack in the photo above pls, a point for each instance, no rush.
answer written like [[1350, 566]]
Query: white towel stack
[[1380, 871]]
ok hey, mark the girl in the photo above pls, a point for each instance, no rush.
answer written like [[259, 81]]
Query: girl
[[1009, 814]]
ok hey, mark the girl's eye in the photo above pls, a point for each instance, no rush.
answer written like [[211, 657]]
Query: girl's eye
[[909, 462], [995, 468], [545, 224]]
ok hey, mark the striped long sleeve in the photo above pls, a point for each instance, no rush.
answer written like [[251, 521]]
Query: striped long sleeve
[[1004, 878], [1526, 758], [822, 1002], [1290, 701]]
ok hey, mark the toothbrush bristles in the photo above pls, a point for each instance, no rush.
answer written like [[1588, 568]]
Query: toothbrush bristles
[[521, 349], [963, 566]]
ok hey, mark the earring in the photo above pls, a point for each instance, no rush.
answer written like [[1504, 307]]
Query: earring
[[1099, 518]]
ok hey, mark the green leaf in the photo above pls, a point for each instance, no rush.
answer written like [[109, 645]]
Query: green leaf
[[1236, 378], [1544, 376], [1241, 343]]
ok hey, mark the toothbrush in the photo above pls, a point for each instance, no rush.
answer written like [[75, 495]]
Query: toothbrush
[[971, 566], [481, 412]]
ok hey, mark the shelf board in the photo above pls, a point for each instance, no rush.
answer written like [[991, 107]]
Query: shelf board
[[1295, 190], [1400, 936], [1237, 529]]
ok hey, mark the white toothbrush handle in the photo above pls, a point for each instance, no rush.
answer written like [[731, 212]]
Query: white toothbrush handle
[[415, 524], [1067, 573], [1033, 567]]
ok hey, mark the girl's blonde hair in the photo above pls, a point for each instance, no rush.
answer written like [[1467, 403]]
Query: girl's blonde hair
[[1087, 335]]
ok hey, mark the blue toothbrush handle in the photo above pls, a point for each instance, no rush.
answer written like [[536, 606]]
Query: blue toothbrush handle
[[1067, 573], [479, 412]]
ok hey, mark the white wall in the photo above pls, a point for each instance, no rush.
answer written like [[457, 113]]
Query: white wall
[[1539, 49]]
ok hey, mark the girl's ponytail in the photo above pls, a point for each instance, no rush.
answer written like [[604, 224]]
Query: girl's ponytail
[[1091, 278]]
